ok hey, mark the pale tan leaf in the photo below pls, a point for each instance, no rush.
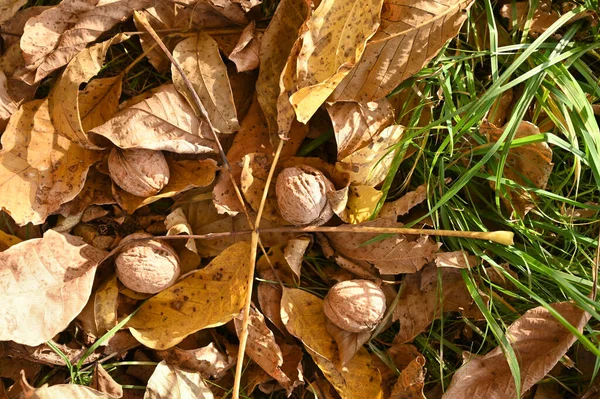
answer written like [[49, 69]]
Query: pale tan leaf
[[356, 124], [423, 301], [302, 313], [264, 350], [247, 5], [348, 343], [539, 341], [99, 103], [404, 204], [205, 298], [44, 284], [335, 39], [163, 121], [40, 169], [456, 259], [12, 29], [275, 47], [294, 253], [8, 8], [96, 190], [70, 391], [177, 224], [543, 16], [411, 381], [8, 105], [410, 35], [245, 53], [51, 39], [269, 299], [103, 382], [394, 255], [208, 361], [170, 382], [201, 61]]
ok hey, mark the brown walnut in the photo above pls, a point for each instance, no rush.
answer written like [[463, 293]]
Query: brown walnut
[[355, 305], [147, 266], [138, 171], [302, 196]]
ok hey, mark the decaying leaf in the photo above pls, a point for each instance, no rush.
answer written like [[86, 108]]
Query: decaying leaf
[[162, 121], [70, 391], [456, 259], [302, 313], [411, 381], [208, 361], [269, 299], [177, 224], [205, 298], [96, 190], [51, 39], [423, 300], [543, 16], [40, 170], [529, 165], [103, 382], [44, 283], [539, 341], [245, 54], [170, 382], [402, 205], [8, 8], [409, 36]]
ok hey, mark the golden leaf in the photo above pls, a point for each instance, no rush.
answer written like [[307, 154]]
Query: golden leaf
[[7, 241]]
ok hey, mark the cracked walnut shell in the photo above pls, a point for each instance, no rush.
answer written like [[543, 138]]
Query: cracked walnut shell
[[138, 171], [147, 266], [355, 305]]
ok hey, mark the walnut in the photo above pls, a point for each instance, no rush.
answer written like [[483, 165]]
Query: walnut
[[147, 266], [139, 172], [355, 305], [302, 196]]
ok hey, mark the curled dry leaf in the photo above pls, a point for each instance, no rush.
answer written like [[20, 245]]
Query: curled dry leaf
[[70, 391], [348, 343], [177, 224], [208, 361], [201, 62], [51, 39], [356, 124], [269, 299], [8, 105], [539, 341], [302, 313], [44, 283], [411, 381], [264, 350], [456, 259], [40, 170], [100, 313], [422, 300], [103, 382], [205, 298], [245, 53], [409, 36], [170, 382], [161, 121], [404, 204], [331, 45]]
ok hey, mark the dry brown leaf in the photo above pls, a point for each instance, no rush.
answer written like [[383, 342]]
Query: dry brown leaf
[[207, 361], [40, 170], [539, 341], [248, 4], [216, 13], [205, 298], [201, 61], [177, 224], [44, 284], [302, 313], [11, 366], [398, 254], [294, 253], [162, 121], [348, 343], [456, 259], [409, 36], [51, 39], [170, 382], [103, 382], [402, 205], [73, 115], [264, 350], [70, 391], [8, 105], [422, 300], [8, 8], [400, 356], [275, 47], [269, 299], [245, 54], [411, 381], [356, 124], [543, 16], [96, 190], [529, 165]]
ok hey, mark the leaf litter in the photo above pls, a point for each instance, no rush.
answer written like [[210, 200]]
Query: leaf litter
[[242, 87]]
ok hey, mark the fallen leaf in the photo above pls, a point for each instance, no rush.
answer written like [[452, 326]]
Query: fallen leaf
[[205, 298], [7, 241], [177, 224], [95, 191], [456, 259], [11, 366], [208, 361], [264, 350], [348, 343], [529, 165], [170, 382], [40, 170], [247, 5], [100, 313], [539, 341], [201, 62], [399, 356], [409, 36], [397, 254], [103, 382], [422, 300], [245, 54], [44, 354], [8, 105], [302, 313], [269, 299], [404, 204], [51, 39], [543, 16], [294, 253], [411, 381], [8, 8], [70, 391], [217, 13], [184, 175], [275, 47], [162, 121], [72, 115], [360, 204], [45, 283], [356, 124]]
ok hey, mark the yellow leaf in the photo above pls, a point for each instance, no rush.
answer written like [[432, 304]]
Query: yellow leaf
[[336, 35], [40, 170], [206, 298], [302, 313], [362, 201], [7, 241], [105, 305]]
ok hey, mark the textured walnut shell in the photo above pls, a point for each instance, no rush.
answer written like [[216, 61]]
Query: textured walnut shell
[[147, 266], [302, 196], [139, 172], [355, 305]]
